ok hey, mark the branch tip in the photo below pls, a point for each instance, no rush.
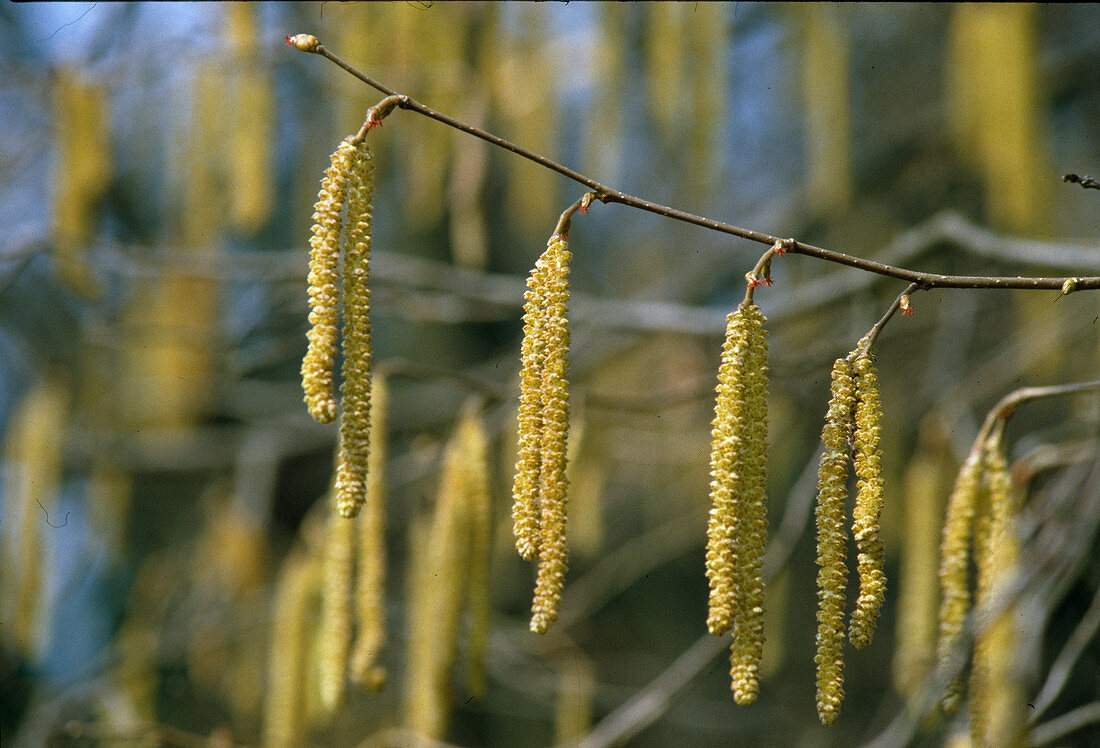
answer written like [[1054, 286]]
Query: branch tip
[[303, 42], [1085, 181]]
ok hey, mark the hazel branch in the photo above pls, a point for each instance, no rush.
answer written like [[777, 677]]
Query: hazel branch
[[606, 194]]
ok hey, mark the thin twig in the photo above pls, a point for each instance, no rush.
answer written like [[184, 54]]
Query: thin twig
[[158, 734], [1068, 723], [1063, 664], [1007, 405], [608, 194], [901, 302]]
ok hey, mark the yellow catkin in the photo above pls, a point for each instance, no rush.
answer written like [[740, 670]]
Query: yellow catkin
[[555, 427], [665, 55], [292, 619], [335, 633], [525, 488], [83, 172], [954, 562], [573, 709], [351, 471], [110, 490], [832, 575], [726, 445], [523, 70], [826, 96], [33, 468], [736, 533], [476, 450], [708, 84], [252, 135], [603, 129], [324, 257], [867, 514], [996, 699], [370, 597], [925, 483], [980, 684], [748, 643], [436, 596]]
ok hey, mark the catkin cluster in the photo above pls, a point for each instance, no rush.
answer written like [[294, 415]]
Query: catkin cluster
[[343, 210], [851, 428], [737, 528], [980, 512], [539, 489]]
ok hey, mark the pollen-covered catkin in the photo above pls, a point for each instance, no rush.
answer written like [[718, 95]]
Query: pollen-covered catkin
[[954, 562], [324, 255], [351, 478], [476, 448], [869, 500], [525, 488], [555, 427], [335, 633], [997, 703], [832, 575], [726, 444], [437, 591], [925, 483], [370, 598], [748, 642], [293, 616]]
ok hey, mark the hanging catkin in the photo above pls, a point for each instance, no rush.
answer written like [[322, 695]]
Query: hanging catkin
[[370, 598], [351, 477], [737, 529], [748, 642], [997, 704], [727, 439], [435, 602], [252, 135], [954, 563], [526, 517], [867, 459], [925, 483], [555, 427], [81, 175], [324, 257], [476, 450], [335, 634], [832, 575], [30, 483], [294, 615]]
